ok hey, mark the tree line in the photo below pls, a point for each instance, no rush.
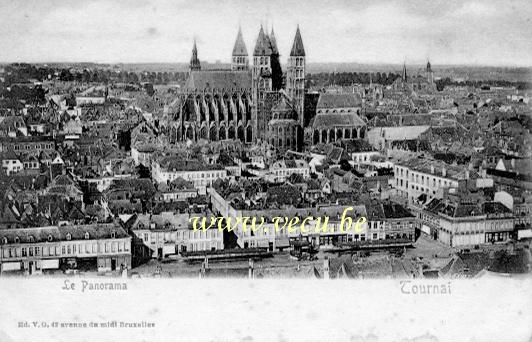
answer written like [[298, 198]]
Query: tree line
[[21, 73], [324, 79]]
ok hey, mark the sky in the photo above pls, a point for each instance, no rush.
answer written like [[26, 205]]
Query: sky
[[470, 32]]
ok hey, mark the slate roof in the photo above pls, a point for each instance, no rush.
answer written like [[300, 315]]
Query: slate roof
[[40, 234], [423, 165], [357, 145], [218, 80], [456, 210], [331, 120], [177, 164], [388, 210], [495, 208], [338, 101]]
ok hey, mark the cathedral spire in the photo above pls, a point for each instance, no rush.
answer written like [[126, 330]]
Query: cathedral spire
[[239, 60], [273, 42], [194, 61], [297, 47], [263, 45], [240, 47], [404, 72]]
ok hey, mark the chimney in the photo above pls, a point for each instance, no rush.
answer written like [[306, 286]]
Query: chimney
[[326, 265], [432, 169], [513, 163], [444, 171]]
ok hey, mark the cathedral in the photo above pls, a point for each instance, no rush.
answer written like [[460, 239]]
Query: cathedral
[[246, 102]]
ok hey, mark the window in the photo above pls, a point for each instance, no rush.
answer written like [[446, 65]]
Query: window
[[17, 239], [50, 238], [24, 253], [4, 240], [113, 235], [87, 236], [69, 237]]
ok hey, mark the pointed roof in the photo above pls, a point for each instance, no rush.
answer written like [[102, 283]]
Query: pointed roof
[[273, 42], [194, 61], [240, 47], [297, 47], [429, 68], [282, 106], [194, 49], [404, 72], [263, 46]]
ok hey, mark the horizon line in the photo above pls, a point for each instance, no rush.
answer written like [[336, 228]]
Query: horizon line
[[308, 63]]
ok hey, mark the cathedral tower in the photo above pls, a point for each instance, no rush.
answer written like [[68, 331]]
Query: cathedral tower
[[194, 61], [295, 76], [262, 68], [261, 81], [240, 59]]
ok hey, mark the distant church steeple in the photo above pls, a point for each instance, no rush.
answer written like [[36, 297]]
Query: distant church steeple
[[194, 61], [430, 74], [405, 77], [240, 59]]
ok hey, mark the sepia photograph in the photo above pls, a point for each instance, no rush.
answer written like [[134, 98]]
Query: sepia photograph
[[271, 170]]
